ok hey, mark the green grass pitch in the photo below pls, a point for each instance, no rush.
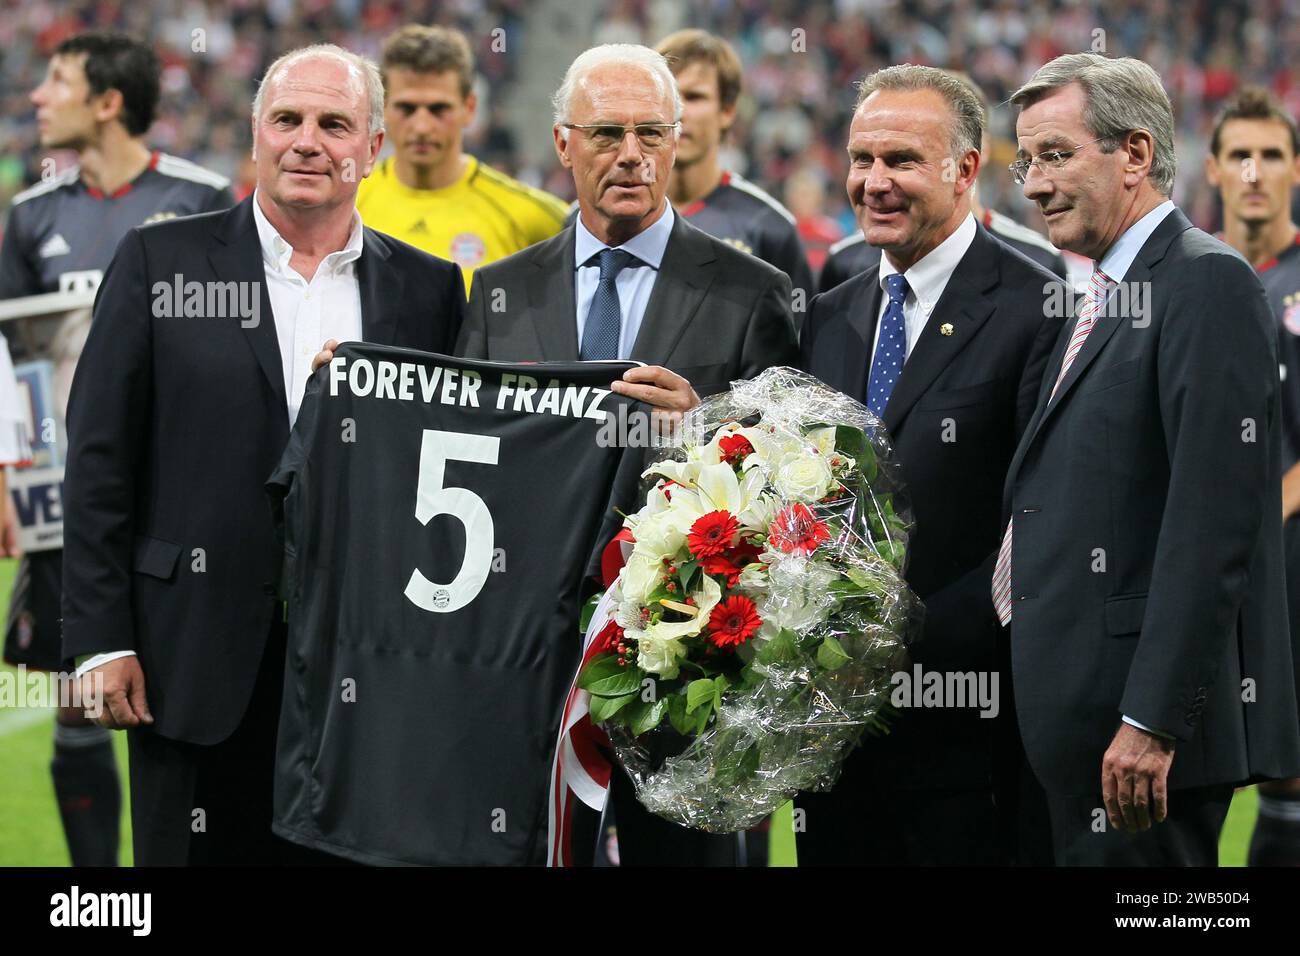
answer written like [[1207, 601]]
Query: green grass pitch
[[31, 835]]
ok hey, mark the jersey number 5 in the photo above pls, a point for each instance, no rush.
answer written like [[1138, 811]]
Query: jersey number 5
[[432, 498]]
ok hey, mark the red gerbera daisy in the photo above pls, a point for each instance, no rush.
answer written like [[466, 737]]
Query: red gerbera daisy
[[731, 562], [712, 533], [735, 448], [733, 621], [796, 530]]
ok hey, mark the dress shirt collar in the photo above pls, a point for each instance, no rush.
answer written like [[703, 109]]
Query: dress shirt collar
[[276, 250], [1119, 257], [927, 278], [648, 245]]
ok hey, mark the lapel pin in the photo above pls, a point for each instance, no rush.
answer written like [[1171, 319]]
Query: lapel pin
[[945, 329]]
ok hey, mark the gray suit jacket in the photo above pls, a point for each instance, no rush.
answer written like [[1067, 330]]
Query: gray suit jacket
[[716, 314], [1146, 559]]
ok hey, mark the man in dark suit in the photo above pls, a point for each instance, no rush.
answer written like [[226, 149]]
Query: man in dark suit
[[196, 362], [1141, 570], [945, 339], [630, 279]]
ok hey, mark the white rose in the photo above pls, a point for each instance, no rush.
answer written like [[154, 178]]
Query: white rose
[[806, 478], [658, 654], [639, 577]]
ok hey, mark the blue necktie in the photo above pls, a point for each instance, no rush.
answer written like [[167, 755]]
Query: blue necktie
[[605, 316], [891, 348]]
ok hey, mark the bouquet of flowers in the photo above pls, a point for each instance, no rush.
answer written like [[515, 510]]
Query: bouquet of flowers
[[749, 639]]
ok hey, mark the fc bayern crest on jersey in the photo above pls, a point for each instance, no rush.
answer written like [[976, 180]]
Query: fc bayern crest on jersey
[[1291, 313], [467, 250]]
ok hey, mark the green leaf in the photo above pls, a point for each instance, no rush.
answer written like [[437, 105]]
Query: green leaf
[[779, 649], [720, 685], [852, 441], [697, 692], [737, 766], [588, 610], [702, 716], [831, 654], [647, 716], [677, 714], [603, 677], [603, 708]]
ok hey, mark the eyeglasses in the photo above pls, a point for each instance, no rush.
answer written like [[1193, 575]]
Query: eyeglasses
[[1047, 159], [603, 136]]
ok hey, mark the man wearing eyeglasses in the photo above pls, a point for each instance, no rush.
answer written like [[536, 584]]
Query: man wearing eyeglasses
[[630, 279], [1139, 578]]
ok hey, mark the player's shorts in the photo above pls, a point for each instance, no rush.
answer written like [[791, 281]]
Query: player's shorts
[[34, 631]]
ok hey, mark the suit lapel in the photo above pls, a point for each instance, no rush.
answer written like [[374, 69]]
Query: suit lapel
[[963, 308], [683, 279], [238, 258], [1153, 250], [863, 313], [551, 299], [381, 291]]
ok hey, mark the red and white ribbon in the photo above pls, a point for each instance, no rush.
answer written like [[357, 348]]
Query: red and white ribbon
[[580, 770]]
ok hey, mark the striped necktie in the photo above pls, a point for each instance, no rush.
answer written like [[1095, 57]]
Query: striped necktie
[[1099, 288]]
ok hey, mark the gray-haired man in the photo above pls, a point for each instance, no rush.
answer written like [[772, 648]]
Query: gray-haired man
[[1140, 572], [175, 422]]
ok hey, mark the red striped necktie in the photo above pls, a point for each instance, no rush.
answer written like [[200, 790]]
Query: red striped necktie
[[1099, 288]]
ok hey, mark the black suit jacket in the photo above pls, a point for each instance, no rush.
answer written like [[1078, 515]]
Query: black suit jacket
[[174, 425], [954, 418], [1146, 567], [715, 314]]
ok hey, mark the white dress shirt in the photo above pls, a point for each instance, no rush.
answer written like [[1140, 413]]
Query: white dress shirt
[[926, 280], [634, 283], [306, 315]]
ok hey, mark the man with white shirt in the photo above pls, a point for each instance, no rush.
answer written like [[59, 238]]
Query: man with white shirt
[[945, 339], [201, 346], [1139, 576]]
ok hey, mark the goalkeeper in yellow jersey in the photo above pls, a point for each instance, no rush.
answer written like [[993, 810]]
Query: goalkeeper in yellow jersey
[[429, 193]]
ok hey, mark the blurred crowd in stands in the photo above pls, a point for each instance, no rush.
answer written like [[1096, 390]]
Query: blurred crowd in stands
[[802, 59]]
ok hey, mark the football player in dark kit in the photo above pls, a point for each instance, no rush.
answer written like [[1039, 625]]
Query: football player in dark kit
[[98, 98], [1255, 163], [721, 202]]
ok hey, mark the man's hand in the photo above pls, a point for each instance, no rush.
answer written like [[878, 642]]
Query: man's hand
[[1291, 492], [325, 355], [1134, 778], [669, 394], [123, 704], [9, 547]]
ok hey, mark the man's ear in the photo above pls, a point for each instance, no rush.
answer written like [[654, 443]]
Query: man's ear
[[376, 144], [1212, 170], [728, 115], [562, 145], [110, 106], [1141, 150]]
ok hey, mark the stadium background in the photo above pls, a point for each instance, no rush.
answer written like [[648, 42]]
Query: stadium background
[[801, 61]]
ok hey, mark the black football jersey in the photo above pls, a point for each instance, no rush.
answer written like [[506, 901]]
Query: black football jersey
[[62, 234], [743, 215], [437, 515], [853, 254], [1281, 279]]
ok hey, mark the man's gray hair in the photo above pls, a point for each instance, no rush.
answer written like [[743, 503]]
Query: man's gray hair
[[359, 66], [967, 128], [626, 54], [1121, 95]]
